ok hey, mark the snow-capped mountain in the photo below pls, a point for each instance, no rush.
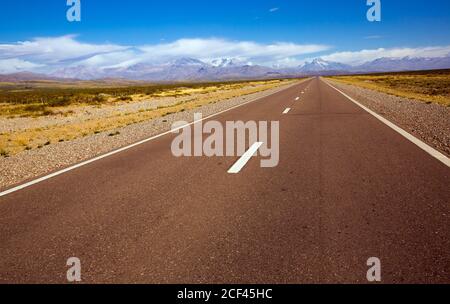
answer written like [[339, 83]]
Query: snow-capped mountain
[[191, 69], [176, 70], [79, 72], [404, 64], [224, 62], [188, 62], [320, 65], [317, 64]]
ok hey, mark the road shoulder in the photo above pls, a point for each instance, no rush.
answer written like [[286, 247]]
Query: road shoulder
[[428, 122]]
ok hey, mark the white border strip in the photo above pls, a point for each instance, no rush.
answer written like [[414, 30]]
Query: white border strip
[[433, 152], [237, 167], [39, 180]]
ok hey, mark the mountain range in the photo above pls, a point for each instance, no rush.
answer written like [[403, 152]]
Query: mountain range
[[191, 69]]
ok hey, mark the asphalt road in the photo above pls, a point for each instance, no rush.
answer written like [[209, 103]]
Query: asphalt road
[[347, 188]]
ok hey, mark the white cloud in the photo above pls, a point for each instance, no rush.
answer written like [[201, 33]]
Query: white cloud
[[56, 52], [272, 10], [207, 49], [114, 59], [8, 66], [49, 54], [286, 62], [359, 57]]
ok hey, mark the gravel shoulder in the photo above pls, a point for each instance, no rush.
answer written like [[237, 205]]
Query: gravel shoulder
[[27, 165], [428, 122]]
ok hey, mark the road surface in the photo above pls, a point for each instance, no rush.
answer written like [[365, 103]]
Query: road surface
[[347, 188]]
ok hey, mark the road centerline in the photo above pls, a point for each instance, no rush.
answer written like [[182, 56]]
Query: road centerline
[[237, 167], [35, 181]]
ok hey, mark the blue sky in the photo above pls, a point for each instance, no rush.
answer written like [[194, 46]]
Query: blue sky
[[323, 28]]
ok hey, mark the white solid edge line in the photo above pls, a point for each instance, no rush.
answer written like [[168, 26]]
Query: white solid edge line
[[49, 176], [237, 167], [433, 152], [286, 111]]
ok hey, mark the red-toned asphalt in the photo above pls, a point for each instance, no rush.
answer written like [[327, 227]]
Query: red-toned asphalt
[[347, 188]]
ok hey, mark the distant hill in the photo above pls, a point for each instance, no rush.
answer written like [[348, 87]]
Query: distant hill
[[183, 69], [404, 64], [191, 69], [320, 65], [28, 76]]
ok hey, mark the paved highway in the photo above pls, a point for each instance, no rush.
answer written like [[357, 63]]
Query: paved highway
[[348, 187]]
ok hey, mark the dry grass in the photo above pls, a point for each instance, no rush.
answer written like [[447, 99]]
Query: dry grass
[[32, 138], [29, 100], [426, 86]]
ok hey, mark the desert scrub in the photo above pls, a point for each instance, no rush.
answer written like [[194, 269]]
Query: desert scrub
[[114, 134], [100, 98], [60, 101], [114, 116], [4, 153], [29, 101], [426, 86], [125, 98]]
